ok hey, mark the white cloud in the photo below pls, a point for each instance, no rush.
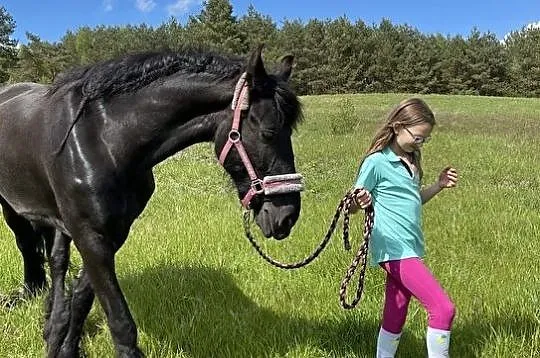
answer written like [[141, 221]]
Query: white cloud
[[180, 7], [107, 5], [145, 5], [533, 25], [530, 26], [17, 47]]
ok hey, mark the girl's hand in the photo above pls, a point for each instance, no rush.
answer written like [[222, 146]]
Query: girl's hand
[[363, 199], [448, 178]]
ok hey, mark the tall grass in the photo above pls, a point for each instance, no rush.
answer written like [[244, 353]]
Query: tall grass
[[197, 289]]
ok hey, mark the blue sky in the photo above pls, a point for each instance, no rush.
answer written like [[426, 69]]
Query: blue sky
[[50, 19]]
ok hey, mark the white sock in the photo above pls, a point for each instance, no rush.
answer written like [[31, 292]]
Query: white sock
[[387, 343], [438, 343]]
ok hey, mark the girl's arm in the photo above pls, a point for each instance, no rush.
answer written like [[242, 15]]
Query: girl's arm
[[429, 192], [447, 179], [367, 179]]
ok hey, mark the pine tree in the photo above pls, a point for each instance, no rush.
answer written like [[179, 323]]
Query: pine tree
[[8, 46], [524, 50], [256, 29], [39, 61], [216, 27]]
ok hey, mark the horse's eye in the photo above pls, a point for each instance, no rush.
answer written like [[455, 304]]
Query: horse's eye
[[267, 134]]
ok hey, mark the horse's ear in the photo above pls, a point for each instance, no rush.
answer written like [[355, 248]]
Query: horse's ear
[[286, 67], [255, 67]]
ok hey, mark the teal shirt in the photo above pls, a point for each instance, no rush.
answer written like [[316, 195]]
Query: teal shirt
[[397, 230]]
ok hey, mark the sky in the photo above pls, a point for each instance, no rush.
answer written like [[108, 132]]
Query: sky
[[51, 19]]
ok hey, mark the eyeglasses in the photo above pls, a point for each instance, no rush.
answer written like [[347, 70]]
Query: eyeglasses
[[418, 139]]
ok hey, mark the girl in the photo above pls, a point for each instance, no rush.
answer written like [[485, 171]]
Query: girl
[[391, 174]]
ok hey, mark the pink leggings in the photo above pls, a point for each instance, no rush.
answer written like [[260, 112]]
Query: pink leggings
[[410, 277]]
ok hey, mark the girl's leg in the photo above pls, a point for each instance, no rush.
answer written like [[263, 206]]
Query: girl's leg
[[415, 277], [396, 303]]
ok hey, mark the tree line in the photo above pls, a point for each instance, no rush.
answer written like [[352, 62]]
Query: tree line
[[332, 55]]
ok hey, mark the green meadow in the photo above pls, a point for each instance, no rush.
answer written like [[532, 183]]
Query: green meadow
[[196, 287]]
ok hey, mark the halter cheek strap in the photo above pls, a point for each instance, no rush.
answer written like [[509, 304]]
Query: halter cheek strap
[[269, 185]]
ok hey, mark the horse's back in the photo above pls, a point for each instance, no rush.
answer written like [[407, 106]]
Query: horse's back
[[12, 92], [22, 109], [20, 103]]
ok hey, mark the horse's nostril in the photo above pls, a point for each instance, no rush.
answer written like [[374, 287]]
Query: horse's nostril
[[286, 223]]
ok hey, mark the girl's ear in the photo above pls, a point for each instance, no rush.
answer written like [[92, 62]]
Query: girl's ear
[[396, 127]]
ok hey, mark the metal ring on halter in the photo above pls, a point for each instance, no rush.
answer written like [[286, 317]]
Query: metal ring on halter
[[234, 136]]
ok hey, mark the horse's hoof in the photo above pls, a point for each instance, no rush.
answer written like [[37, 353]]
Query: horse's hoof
[[124, 352], [22, 295], [71, 352], [10, 301]]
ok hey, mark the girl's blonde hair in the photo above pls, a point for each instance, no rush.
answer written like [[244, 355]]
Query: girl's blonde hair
[[409, 112]]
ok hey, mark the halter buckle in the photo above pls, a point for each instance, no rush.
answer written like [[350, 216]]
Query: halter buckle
[[257, 186]]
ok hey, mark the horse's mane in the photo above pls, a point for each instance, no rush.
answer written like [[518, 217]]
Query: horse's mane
[[135, 71], [132, 72]]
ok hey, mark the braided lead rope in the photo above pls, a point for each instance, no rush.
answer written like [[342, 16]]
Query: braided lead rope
[[361, 256], [295, 265]]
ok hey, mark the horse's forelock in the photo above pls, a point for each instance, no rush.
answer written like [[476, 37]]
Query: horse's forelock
[[288, 104]]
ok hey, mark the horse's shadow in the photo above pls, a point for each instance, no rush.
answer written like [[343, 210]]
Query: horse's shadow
[[202, 312]]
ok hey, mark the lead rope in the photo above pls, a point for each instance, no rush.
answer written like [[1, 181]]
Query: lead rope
[[360, 258]]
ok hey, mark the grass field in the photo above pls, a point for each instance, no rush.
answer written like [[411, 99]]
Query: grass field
[[197, 289]]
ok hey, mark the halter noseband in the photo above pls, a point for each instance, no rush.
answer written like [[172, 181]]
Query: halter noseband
[[269, 185]]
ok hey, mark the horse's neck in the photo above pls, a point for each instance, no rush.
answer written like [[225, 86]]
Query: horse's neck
[[168, 118], [197, 130]]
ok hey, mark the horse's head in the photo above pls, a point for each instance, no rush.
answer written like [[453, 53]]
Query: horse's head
[[265, 115]]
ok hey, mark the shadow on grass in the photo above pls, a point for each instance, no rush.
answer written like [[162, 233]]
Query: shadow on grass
[[201, 311], [472, 337]]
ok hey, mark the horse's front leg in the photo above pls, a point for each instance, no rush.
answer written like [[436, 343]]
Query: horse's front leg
[[57, 311], [97, 252], [83, 294], [81, 303]]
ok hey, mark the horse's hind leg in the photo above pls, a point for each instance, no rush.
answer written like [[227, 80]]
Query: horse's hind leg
[[30, 244], [58, 309]]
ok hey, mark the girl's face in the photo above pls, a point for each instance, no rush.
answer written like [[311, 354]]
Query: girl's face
[[411, 138]]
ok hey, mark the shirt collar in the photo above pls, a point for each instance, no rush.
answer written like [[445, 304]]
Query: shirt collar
[[390, 155]]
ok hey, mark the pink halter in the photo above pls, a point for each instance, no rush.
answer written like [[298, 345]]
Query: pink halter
[[269, 185]]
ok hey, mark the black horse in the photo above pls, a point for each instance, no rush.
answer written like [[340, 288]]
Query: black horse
[[76, 163]]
